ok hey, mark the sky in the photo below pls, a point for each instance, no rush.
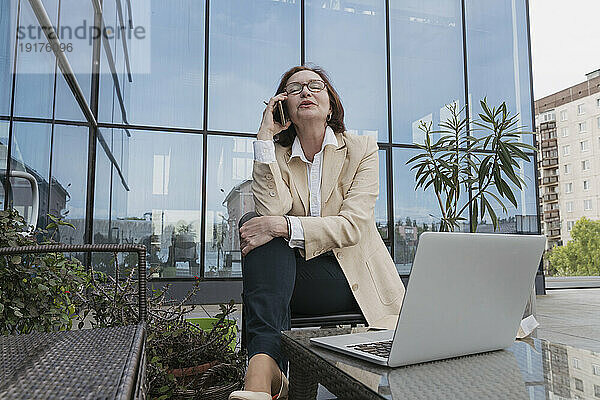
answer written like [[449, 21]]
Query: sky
[[565, 43]]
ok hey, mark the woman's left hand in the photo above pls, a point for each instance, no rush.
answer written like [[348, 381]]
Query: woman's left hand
[[260, 230]]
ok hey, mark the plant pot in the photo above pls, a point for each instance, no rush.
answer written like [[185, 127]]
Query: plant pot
[[185, 375], [206, 324]]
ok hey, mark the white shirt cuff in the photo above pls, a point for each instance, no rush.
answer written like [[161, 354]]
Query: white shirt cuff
[[264, 151], [297, 233]]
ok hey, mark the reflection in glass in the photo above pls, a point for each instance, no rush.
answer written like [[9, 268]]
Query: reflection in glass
[[415, 211], [8, 16], [102, 196], [522, 219], [498, 57], [171, 92], [162, 208], [34, 86], [356, 30], [30, 153], [74, 13], [69, 177], [427, 63], [228, 197], [381, 212], [252, 45], [4, 125]]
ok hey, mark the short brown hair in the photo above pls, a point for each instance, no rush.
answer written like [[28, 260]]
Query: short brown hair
[[287, 136]]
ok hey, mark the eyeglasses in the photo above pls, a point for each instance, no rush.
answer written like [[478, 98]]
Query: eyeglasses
[[314, 85]]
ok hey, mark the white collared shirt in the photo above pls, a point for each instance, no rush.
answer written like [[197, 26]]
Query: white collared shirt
[[264, 152]]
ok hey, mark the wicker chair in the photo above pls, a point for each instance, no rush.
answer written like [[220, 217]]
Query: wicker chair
[[303, 321]]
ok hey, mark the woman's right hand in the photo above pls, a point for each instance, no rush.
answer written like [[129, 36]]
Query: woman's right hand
[[268, 126]]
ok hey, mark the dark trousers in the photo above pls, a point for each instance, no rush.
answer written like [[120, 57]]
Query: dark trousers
[[278, 282]]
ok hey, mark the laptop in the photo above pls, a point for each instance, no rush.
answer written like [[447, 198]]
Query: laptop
[[466, 294]]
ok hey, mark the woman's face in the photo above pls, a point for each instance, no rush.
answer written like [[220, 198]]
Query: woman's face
[[307, 105]]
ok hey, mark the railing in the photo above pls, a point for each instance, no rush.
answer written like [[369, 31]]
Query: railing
[[549, 180], [554, 232], [551, 215], [550, 197], [551, 142], [550, 162], [97, 248]]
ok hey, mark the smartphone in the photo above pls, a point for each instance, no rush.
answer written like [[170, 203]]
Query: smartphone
[[278, 114]]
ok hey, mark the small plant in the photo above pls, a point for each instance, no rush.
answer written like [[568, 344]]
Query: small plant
[[173, 344], [457, 162], [49, 292], [38, 292]]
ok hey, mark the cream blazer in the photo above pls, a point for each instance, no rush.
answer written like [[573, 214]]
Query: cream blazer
[[349, 188]]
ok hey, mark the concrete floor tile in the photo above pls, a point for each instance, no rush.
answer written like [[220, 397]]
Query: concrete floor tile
[[569, 340]]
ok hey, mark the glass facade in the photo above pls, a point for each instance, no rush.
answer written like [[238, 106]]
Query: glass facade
[[172, 112]]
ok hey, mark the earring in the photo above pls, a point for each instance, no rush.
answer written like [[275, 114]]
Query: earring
[[328, 117]]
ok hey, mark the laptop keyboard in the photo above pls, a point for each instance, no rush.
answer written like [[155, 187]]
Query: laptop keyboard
[[380, 349]]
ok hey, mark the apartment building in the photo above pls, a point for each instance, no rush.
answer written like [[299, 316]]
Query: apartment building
[[568, 140]]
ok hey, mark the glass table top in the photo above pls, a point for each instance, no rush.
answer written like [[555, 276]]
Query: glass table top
[[531, 369]]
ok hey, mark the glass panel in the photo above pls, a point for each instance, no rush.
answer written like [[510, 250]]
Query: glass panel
[[8, 18], [110, 108], [427, 63], [415, 211], [69, 180], [498, 58], [75, 14], [102, 191], [162, 208], [30, 154], [356, 30], [34, 89], [381, 211], [171, 92], [229, 177], [252, 45], [4, 125], [119, 193], [522, 219]]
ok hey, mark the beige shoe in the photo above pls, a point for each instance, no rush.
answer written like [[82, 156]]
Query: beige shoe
[[248, 395]]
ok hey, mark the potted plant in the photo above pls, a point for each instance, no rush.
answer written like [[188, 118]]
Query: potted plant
[[184, 361], [54, 292], [482, 159], [38, 292]]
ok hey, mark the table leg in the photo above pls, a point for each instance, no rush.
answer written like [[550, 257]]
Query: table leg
[[303, 383]]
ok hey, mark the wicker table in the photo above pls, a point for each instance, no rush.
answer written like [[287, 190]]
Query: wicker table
[[535, 369], [103, 363]]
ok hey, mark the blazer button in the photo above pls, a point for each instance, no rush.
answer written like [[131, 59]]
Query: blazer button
[[269, 177], [270, 185], [355, 287], [272, 193], [340, 255]]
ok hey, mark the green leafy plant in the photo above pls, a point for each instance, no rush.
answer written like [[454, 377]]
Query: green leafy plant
[[487, 164], [38, 292], [48, 292], [581, 255]]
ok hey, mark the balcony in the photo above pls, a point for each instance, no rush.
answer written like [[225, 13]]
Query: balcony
[[547, 143], [550, 162], [550, 197], [545, 126], [551, 215], [553, 233], [547, 180]]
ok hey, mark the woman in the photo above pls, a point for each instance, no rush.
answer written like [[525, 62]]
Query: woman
[[314, 246]]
